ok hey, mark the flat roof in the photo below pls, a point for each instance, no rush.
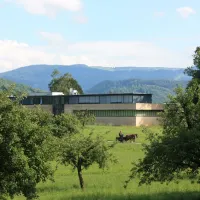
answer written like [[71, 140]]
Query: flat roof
[[82, 95], [46, 94], [112, 94]]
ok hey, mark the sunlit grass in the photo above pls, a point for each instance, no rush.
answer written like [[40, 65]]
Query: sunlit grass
[[108, 184]]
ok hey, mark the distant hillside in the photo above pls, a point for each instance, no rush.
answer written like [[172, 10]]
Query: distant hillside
[[38, 76], [159, 88], [19, 88]]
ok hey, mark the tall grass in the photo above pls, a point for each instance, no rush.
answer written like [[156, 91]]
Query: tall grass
[[108, 184]]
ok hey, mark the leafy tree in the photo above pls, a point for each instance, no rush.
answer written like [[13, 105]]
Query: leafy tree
[[25, 137], [66, 124], [63, 83], [175, 153], [81, 151], [85, 117], [194, 72]]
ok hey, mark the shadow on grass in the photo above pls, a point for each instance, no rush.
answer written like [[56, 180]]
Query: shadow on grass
[[156, 196]]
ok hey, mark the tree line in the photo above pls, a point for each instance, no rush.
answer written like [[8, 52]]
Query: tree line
[[18, 89], [30, 139]]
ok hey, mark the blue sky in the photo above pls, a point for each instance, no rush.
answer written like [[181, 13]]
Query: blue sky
[[110, 33]]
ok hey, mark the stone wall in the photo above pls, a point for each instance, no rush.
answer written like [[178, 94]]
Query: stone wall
[[147, 121]]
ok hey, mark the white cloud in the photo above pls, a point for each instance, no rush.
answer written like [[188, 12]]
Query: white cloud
[[52, 38], [159, 14], [14, 54], [185, 12], [48, 7], [81, 19]]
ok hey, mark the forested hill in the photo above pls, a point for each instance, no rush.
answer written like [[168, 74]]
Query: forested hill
[[159, 88], [39, 76], [19, 88]]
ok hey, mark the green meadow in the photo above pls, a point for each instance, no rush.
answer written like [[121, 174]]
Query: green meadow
[[108, 184]]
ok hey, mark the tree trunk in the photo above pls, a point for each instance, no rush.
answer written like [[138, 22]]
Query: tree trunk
[[81, 181]]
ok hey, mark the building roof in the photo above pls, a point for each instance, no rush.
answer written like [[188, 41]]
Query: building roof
[[82, 95], [46, 94], [113, 94]]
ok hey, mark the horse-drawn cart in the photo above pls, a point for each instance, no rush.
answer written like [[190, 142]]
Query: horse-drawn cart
[[130, 137]]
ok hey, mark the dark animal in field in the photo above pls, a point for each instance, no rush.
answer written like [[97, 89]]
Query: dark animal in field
[[119, 139], [130, 137]]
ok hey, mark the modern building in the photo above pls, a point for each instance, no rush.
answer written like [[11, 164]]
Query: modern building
[[116, 109]]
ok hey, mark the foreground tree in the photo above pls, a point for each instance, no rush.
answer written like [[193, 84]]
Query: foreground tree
[[194, 71], [81, 151], [25, 137], [85, 117], [175, 153], [66, 124], [63, 83]]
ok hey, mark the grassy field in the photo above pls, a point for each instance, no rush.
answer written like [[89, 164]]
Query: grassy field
[[108, 184]]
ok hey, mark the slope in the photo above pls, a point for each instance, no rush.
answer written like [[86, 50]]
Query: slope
[[38, 76], [19, 88], [159, 88]]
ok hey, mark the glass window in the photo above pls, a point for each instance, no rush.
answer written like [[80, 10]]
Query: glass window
[[73, 100], [113, 99], [107, 99], [128, 99], [47, 100], [36, 100], [82, 99], [116, 99], [92, 99], [102, 99], [27, 101], [62, 100], [120, 99], [66, 99], [89, 99]]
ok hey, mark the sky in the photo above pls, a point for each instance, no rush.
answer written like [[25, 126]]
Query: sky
[[108, 33]]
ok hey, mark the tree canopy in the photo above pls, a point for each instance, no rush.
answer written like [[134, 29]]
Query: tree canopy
[[66, 124], [18, 89], [25, 136], [194, 71], [81, 151], [175, 153], [63, 83], [85, 117]]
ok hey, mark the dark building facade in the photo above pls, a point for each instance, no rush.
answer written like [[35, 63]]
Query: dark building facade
[[116, 109]]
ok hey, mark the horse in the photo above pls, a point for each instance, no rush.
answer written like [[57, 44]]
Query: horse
[[130, 137], [126, 138]]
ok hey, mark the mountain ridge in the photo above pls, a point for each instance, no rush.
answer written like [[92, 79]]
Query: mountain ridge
[[38, 76]]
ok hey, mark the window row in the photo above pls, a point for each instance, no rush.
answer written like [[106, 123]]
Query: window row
[[124, 113], [45, 100], [98, 99]]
